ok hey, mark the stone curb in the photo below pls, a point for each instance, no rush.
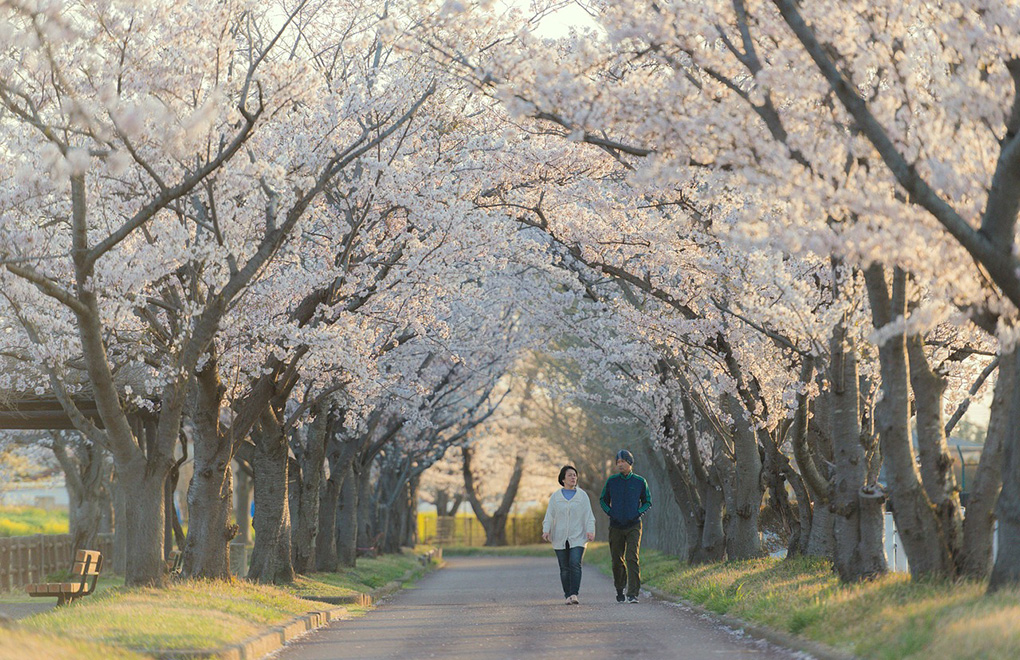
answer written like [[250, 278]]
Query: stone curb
[[260, 645], [778, 637]]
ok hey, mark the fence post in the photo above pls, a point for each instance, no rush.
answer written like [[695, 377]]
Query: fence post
[[5, 565]]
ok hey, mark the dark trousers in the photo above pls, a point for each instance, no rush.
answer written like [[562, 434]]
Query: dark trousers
[[623, 547], [570, 569]]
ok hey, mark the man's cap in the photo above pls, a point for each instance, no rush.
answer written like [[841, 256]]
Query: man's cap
[[625, 455]]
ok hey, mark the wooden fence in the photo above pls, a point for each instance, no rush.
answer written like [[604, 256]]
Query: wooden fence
[[27, 559]]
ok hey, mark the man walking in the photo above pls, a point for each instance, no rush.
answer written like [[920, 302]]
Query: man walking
[[625, 498]]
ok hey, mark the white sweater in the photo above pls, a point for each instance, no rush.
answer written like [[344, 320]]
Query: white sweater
[[569, 520]]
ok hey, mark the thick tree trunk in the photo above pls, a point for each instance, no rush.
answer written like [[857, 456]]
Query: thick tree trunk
[[822, 541], [936, 463], [210, 493], [708, 483], [1006, 570], [858, 523], [447, 505], [270, 558], [340, 455], [120, 526], [143, 519], [410, 534], [713, 537], [368, 519], [86, 516], [84, 467], [680, 476], [347, 518], [494, 524], [312, 472], [689, 502], [811, 484], [979, 524], [918, 526], [495, 529], [210, 530], [744, 494]]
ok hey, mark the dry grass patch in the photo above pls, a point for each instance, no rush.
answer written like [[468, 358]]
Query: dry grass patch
[[195, 614], [26, 645]]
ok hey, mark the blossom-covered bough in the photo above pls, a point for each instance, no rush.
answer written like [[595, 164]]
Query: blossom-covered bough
[[333, 240]]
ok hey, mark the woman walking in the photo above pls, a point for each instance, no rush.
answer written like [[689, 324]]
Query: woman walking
[[569, 524]]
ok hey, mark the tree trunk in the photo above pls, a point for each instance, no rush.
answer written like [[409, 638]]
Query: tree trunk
[[340, 456], [312, 472], [447, 505], [1006, 570], [84, 467], [744, 494], [814, 454], [210, 493], [681, 478], [119, 525], [368, 520], [979, 524], [858, 522], [689, 502], [822, 541], [347, 518], [713, 537], [410, 535], [270, 558], [936, 463], [494, 524], [918, 526], [143, 483]]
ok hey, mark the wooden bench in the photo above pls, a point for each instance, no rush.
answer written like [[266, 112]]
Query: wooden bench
[[84, 576]]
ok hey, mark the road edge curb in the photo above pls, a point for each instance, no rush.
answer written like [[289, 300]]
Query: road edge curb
[[260, 645]]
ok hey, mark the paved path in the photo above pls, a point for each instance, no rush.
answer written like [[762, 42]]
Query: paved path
[[483, 608]]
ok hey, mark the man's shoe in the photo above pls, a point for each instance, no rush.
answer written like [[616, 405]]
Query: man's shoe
[[632, 599], [620, 598], [569, 600], [574, 601]]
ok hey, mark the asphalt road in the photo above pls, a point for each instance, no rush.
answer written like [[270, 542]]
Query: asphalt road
[[483, 608]]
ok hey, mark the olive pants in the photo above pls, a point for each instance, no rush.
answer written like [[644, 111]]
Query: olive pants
[[624, 544]]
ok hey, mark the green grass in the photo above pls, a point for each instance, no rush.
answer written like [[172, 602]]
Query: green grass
[[23, 644], [26, 520], [537, 550], [192, 614], [369, 574], [195, 614], [888, 618]]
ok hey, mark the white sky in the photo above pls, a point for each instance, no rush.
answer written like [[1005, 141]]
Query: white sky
[[558, 23]]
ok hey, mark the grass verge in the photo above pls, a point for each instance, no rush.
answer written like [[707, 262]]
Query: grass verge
[[23, 644], [369, 574], [193, 614], [537, 550], [888, 618]]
